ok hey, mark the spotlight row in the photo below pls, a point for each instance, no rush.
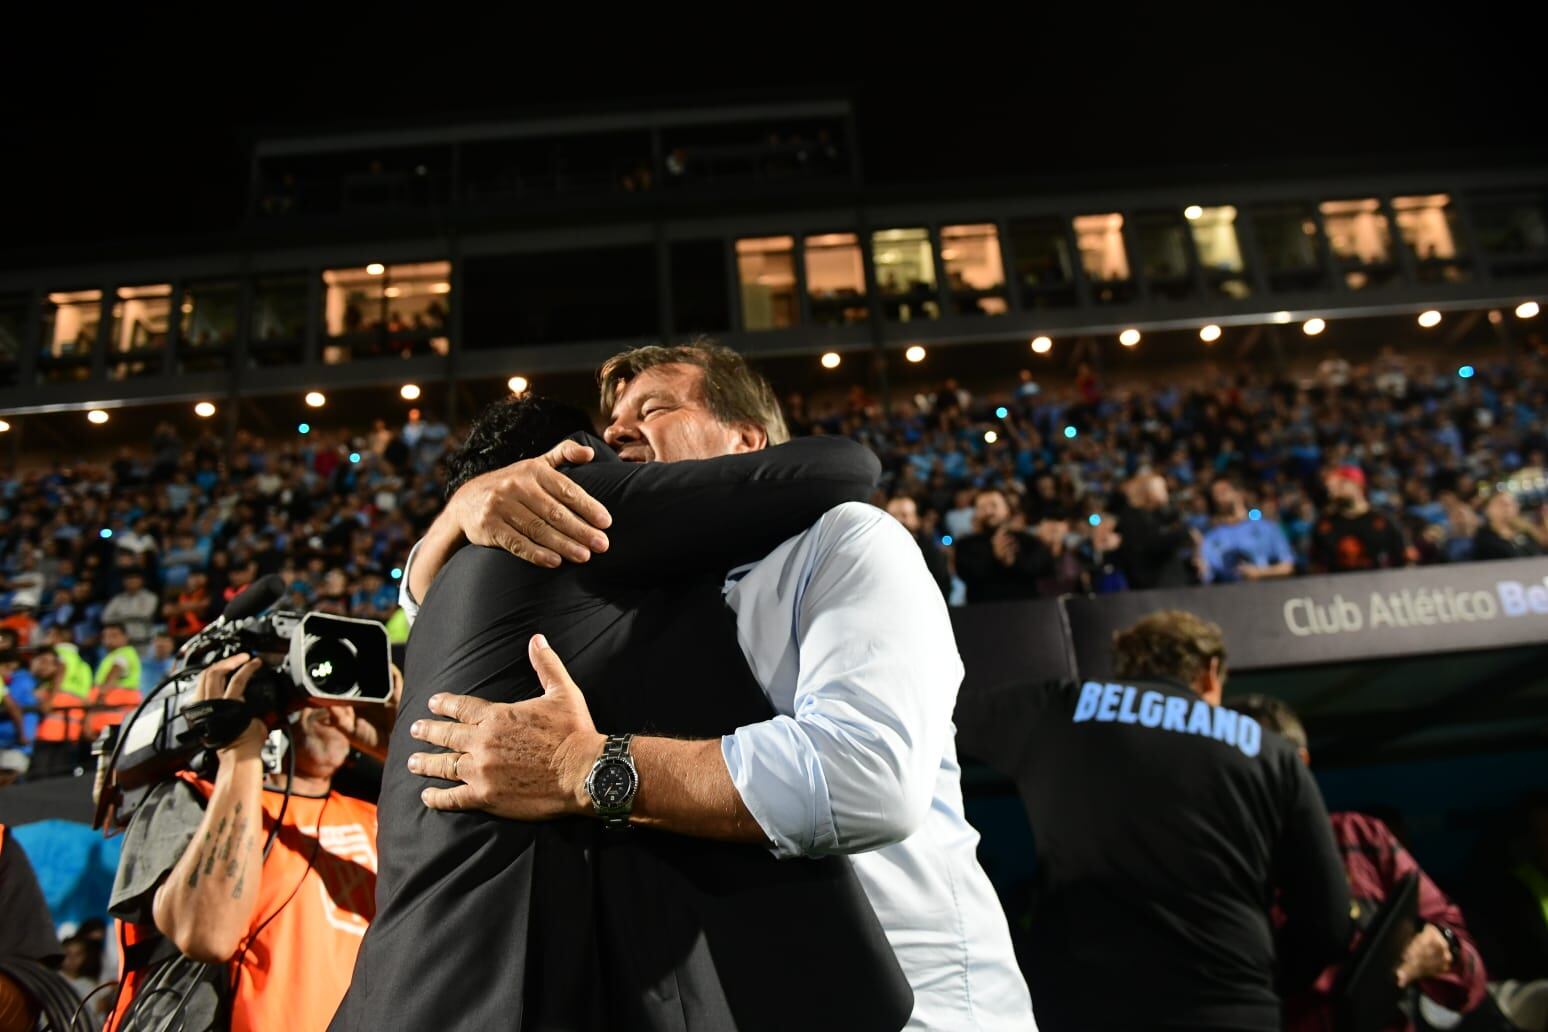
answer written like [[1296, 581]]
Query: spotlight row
[[1208, 333], [313, 399]]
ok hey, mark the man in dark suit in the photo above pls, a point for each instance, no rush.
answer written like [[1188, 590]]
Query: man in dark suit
[[490, 923]]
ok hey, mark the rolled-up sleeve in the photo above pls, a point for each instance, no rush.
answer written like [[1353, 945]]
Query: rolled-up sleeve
[[853, 765], [406, 599]]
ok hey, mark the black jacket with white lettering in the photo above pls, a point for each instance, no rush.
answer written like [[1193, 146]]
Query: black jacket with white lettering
[[1163, 827]]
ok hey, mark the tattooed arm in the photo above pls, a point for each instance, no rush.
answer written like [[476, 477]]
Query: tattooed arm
[[206, 904]]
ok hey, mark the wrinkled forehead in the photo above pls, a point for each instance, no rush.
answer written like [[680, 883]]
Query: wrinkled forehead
[[671, 381]]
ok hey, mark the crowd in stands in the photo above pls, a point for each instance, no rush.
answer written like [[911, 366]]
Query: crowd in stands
[[1233, 476]]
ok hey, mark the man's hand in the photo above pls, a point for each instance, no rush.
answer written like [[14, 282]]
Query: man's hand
[[1428, 954], [524, 760], [533, 511], [1004, 546], [217, 682], [1248, 572]]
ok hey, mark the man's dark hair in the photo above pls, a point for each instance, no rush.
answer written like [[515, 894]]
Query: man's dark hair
[[1274, 714], [512, 429]]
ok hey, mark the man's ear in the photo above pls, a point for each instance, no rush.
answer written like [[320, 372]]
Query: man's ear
[[750, 437]]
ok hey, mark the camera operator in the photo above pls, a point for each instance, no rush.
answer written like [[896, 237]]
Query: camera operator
[[267, 921]]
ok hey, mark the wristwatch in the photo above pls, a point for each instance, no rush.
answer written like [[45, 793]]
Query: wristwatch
[[613, 783], [1453, 943]]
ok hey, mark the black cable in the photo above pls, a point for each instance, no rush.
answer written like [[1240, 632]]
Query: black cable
[[56, 998], [236, 967], [80, 1011]]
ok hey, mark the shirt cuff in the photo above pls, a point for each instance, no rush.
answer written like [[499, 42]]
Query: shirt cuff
[[779, 776], [406, 597]]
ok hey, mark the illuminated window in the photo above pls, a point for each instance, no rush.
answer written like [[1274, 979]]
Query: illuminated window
[[1361, 241], [142, 317], [975, 268], [398, 310], [835, 279], [765, 266], [71, 320], [1103, 257], [1044, 264], [1290, 246], [1429, 226], [1162, 242], [279, 320], [1219, 251], [905, 273], [1513, 232], [207, 325]]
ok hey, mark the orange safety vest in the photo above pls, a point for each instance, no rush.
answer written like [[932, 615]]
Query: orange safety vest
[[66, 722], [123, 701]]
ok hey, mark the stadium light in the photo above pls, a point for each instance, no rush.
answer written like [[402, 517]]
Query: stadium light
[[1070, 432], [397, 573], [375, 269], [303, 429], [517, 384], [1209, 334], [1429, 319], [392, 292], [354, 456], [1314, 326], [1466, 372], [1255, 514], [915, 354], [97, 416], [1496, 316], [1042, 345], [1001, 412], [1130, 337], [409, 392], [4, 426], [1280, 317], [990, 437], [831, 360], [105, 533], [1191, 212], [316, 399], [1094, 519], [1527, 310], [946, 540], [204, 410]]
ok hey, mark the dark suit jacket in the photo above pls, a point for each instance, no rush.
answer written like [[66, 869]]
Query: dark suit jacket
[[495, 924]]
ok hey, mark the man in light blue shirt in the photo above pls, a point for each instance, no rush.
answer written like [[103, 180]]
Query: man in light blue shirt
[[849, 638], [1239, 547]]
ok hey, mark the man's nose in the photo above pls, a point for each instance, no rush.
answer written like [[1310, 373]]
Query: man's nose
[[620, 432]]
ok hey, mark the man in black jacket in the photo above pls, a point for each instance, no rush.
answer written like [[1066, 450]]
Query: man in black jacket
[[489, 923], [1000, 562], [1164, 823], [1154, 538]]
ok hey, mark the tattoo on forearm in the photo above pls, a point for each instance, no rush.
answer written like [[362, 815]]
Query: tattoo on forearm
[[222, 845], [237, 867]]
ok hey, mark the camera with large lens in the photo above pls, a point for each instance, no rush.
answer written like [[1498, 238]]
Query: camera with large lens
[[309, 659]]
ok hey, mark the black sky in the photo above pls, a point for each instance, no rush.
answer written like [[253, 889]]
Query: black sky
[[141, 127]]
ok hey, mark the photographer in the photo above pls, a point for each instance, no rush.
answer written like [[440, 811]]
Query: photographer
[[267, 920]]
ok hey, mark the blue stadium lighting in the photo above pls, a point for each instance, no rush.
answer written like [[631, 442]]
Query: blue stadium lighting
[[1070, 432], [1466, 372], [946, 540], [304, 428], [397, 574], [1254, 514], [354, 456], [106, 533], [1094, 519], [1001, 412]]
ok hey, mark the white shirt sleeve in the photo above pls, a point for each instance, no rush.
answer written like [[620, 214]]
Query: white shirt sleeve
[[853, 765], [406, 598]]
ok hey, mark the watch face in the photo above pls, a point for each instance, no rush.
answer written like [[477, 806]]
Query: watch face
[[612, 784]]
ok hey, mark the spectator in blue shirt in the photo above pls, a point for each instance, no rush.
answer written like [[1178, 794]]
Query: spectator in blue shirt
[[18, 692], [158, 664], [1237, 548]]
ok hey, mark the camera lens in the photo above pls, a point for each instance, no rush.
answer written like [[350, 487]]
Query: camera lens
[[330, 665]]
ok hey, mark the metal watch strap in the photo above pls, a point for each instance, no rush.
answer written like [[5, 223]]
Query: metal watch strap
[[616, 749]]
